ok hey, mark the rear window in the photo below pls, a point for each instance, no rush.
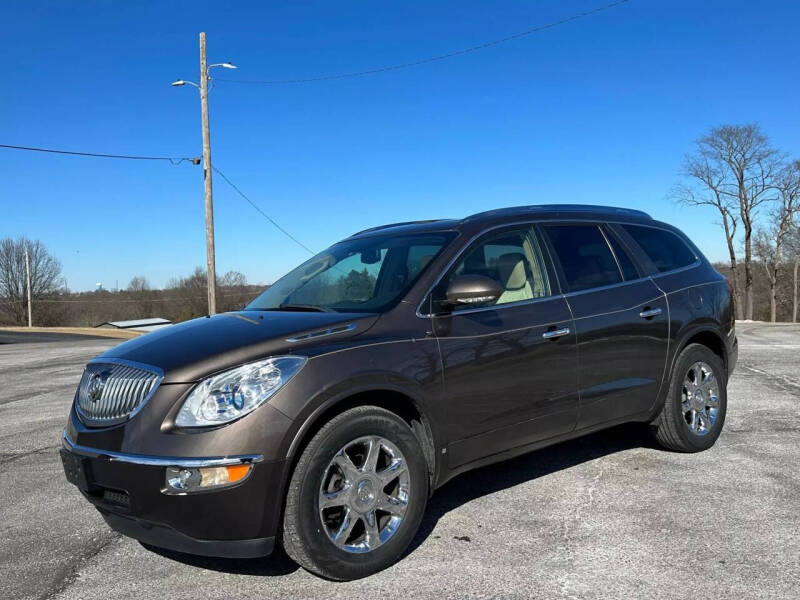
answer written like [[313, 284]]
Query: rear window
[[665, 249], [584, 255]]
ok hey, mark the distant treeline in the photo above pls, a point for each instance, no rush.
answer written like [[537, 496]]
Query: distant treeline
[[183, 298], [786, 291]]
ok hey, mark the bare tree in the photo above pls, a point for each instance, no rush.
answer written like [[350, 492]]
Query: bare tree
[[45, 276], [765, 251], [234, 291], [232, 279], [734, 169], [189, 295], [141, 296], [139, 284], [793, 254], [788, 186], [770, 245], [710, 193]]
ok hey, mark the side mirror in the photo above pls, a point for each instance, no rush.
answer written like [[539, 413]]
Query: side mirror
[[472, 289]]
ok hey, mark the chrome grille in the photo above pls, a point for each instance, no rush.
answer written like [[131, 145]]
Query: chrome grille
[[110, 392]]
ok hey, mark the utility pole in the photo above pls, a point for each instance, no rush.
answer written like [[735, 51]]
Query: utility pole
[[209, 192], [28, 280], [202, 87]]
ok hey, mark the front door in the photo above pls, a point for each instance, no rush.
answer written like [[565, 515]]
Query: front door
[[509, 368]]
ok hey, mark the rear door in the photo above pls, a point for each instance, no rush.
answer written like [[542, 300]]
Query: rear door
[[621, 322], [509, 368]]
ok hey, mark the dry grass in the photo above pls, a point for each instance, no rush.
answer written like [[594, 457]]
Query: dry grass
[[123, 334]]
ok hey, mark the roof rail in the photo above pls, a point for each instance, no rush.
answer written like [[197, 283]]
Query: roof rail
[[585, 208]]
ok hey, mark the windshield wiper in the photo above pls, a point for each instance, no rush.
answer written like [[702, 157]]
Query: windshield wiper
[[303, 308]]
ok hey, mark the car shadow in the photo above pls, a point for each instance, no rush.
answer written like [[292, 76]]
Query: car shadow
[[457, 492], [500, 476]]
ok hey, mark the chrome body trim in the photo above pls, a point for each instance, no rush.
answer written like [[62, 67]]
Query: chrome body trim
[[157, 461], [322, 333], [696, 263], [127, 363]]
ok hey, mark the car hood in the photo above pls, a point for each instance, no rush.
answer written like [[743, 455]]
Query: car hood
[[193, 349]]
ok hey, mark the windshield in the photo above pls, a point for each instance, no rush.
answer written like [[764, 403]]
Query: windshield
[[362, 275]]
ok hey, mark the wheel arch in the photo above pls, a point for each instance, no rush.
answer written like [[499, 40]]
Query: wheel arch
[[706, 336], [398, 401]]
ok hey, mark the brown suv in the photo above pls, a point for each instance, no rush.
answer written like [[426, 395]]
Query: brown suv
[[325, 413]]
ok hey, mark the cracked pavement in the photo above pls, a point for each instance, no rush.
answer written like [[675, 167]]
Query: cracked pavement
[[606, 516]]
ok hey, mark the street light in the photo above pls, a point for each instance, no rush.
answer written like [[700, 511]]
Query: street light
[[205, 75]]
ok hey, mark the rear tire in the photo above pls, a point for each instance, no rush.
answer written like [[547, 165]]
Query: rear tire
[[364, 477], [694, 409]]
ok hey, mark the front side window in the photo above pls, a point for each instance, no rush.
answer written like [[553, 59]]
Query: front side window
[[512, 258], [585, 257], [665, 249], [361, 275]]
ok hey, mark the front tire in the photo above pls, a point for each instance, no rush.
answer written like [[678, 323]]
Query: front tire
[[357, 495], [696, 403]]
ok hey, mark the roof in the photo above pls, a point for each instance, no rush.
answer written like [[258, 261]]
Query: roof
[[137, 324], [500, 214]]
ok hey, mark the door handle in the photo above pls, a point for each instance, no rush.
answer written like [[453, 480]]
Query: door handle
[[555, 333], [649, 313]]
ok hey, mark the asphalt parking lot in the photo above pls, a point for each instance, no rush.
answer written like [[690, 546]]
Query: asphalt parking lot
[[607, 516]]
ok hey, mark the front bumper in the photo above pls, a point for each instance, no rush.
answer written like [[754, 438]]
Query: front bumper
[[171, 539], [127, 489]]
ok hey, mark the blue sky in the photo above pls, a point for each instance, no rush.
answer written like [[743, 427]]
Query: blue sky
[[599, 111]]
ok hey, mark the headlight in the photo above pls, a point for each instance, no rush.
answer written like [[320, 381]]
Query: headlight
[[232, 394]]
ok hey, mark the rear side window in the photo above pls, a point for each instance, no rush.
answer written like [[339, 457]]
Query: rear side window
[[665, 249], [585, 257], [623, 258]]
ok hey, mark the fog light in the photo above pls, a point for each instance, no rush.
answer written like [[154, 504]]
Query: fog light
[[182, 480]]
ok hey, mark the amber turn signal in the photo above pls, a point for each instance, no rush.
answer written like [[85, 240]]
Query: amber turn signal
[[181, 480]]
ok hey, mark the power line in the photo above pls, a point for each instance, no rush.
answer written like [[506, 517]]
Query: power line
[[265, 215], [172, 159], [431, 59]]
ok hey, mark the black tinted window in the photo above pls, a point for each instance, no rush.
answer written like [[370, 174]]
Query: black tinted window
[[624, 259], [665, 249], [585, 257]]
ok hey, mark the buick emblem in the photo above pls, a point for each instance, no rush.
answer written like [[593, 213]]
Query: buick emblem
[[95, 388]]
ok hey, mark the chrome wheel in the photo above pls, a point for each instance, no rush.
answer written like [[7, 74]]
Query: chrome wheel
[[700, 398], [364, 494]]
